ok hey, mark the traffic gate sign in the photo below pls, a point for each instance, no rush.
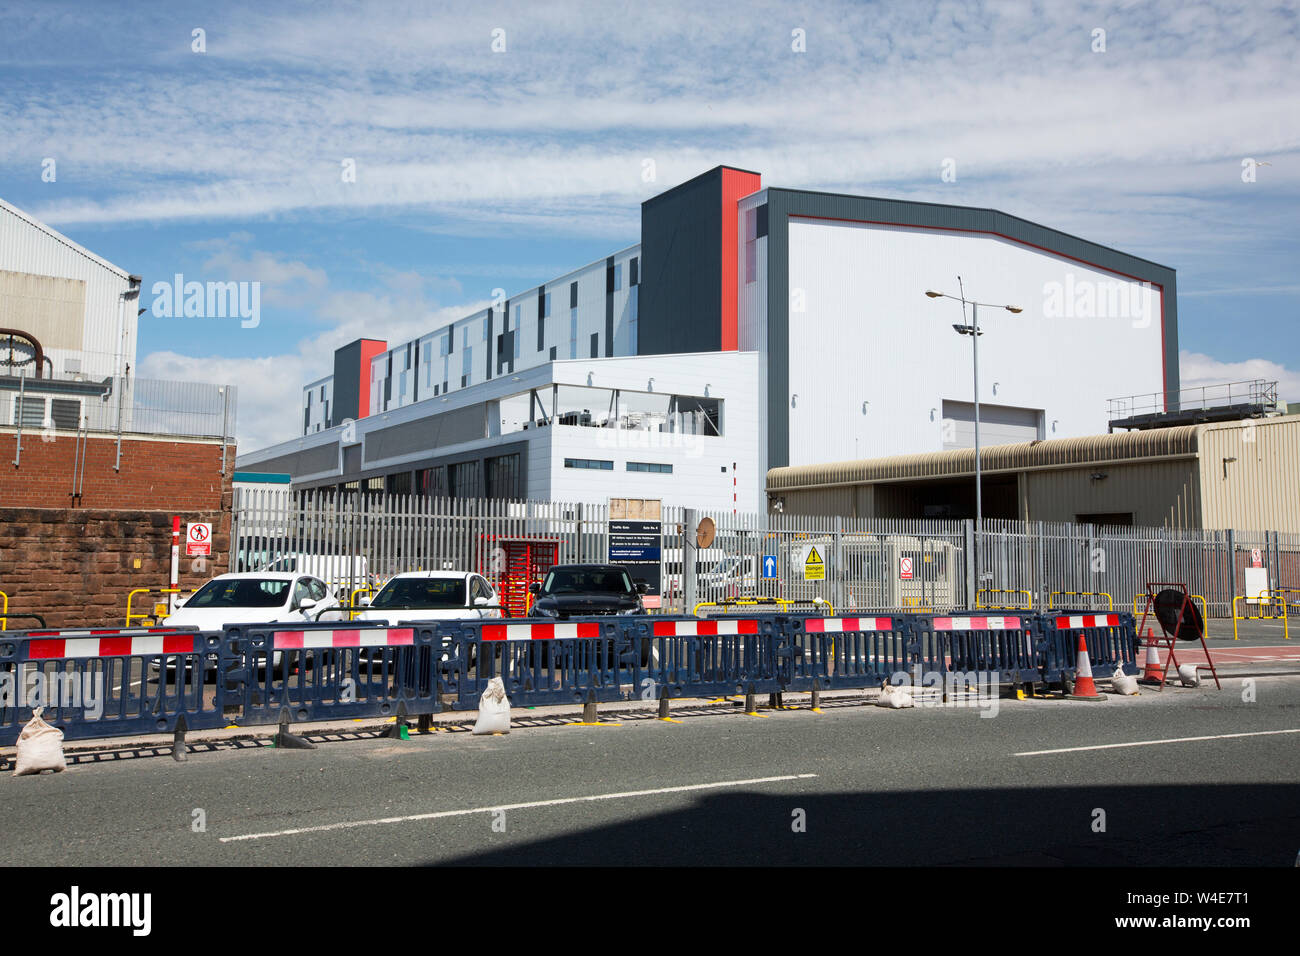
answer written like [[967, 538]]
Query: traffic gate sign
[[905, 569], [198, 539], [769, 565], [814, 568]]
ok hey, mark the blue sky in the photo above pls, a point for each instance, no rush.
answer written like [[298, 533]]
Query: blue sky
[[479, 169]]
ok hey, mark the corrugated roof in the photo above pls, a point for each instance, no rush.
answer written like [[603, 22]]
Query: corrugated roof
[[60, 237], [1062, 452]]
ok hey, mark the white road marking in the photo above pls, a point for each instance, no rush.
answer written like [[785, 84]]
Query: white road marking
[[519, 806], [1152, 743]]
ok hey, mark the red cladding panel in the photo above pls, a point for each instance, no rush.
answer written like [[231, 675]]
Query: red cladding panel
[[369, 349], [736, 185]]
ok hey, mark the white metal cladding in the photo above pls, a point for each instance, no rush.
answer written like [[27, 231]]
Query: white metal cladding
[[751, 307], [317, 401], [702, 465], [702, 471], [28, 246], [869, 335], [433, 369]]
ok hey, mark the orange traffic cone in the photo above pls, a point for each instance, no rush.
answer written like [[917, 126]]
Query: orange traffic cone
[[1155, 672], [1084, 688]]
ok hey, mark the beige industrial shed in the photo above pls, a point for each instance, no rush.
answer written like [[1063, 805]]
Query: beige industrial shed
[[1239, 474]]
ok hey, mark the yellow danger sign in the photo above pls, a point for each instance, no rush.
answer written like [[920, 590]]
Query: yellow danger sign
[[814, 568]]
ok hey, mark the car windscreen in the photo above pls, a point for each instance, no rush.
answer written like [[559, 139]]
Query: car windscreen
[[241, 592], [410, 593], [587, 581]]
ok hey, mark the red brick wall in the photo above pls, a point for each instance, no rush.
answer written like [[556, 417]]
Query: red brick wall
[[75, 566], [74, 562], [174, 476]]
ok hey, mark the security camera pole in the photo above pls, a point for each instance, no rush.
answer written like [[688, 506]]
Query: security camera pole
[[974, 331]]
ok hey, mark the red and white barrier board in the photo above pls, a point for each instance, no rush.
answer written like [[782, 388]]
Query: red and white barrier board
[[977, 624], [111, 643], [1088, 620], [371, 637], [704, 628], [539, 632], [838, 625]]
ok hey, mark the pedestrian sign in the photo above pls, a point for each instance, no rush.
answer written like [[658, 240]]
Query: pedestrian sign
[[905, 569], [769, 565], [814, 568]]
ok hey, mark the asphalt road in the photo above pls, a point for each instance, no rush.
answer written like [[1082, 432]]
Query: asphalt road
[[869, 785]]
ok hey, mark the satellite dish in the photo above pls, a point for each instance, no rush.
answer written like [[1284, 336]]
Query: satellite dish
[[705, 533], [1167, 604]]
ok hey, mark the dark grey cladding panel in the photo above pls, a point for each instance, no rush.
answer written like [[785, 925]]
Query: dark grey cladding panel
[[784, 203], [351, 460], [680, 298], [426, 434], [309, 461], [347, 381]]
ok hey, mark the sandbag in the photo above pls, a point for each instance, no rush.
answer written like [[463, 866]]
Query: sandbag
[[493, 709], [1123, 683], [1187, 674], [40, 747], [894, 698]]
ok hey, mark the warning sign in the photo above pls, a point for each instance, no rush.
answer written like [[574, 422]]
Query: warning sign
[[905, 569], [1256, 558], [198, 539], [814, 568]]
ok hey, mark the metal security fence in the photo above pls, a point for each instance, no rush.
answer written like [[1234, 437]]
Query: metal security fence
[[357, 540]]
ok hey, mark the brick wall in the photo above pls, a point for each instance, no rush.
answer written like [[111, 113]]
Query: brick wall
[[75, 566], [74, 561], [175, 476]]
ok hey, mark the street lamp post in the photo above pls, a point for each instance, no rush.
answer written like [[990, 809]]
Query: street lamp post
[[973, 330]]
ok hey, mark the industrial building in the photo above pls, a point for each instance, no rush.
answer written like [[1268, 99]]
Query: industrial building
[[751, 328], [1224, 474]]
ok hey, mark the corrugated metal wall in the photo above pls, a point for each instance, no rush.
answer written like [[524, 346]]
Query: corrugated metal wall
[[1261, 487], [25, 247]]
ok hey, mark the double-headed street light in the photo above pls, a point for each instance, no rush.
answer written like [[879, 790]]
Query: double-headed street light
[[974, 331]]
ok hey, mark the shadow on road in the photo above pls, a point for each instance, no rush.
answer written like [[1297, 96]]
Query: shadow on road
[[1248, 825]]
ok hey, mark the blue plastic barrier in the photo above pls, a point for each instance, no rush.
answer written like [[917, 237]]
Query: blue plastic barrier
[[323, 671], [1009, 644], [831, 652], [107, 682], [1111, 639]]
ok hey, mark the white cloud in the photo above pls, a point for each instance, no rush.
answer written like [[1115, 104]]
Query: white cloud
[[269, 397], [1196, 370]]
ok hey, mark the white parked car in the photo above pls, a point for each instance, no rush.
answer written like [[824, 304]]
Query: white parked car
[[432, 596], [254, 597]]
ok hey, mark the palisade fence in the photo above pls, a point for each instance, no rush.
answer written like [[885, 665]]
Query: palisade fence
[[865, 564]]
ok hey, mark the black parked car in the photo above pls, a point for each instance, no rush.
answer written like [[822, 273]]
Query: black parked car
[[585, 590], [581, 590]]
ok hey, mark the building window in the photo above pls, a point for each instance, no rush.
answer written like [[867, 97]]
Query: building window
[[465, 480], [552, 353], [432, 482], [634, 272], [595, 344], [650, 466], [591, 463], [573, 295], [617, 282], [464, 381], [503, 477], [398, 484]]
